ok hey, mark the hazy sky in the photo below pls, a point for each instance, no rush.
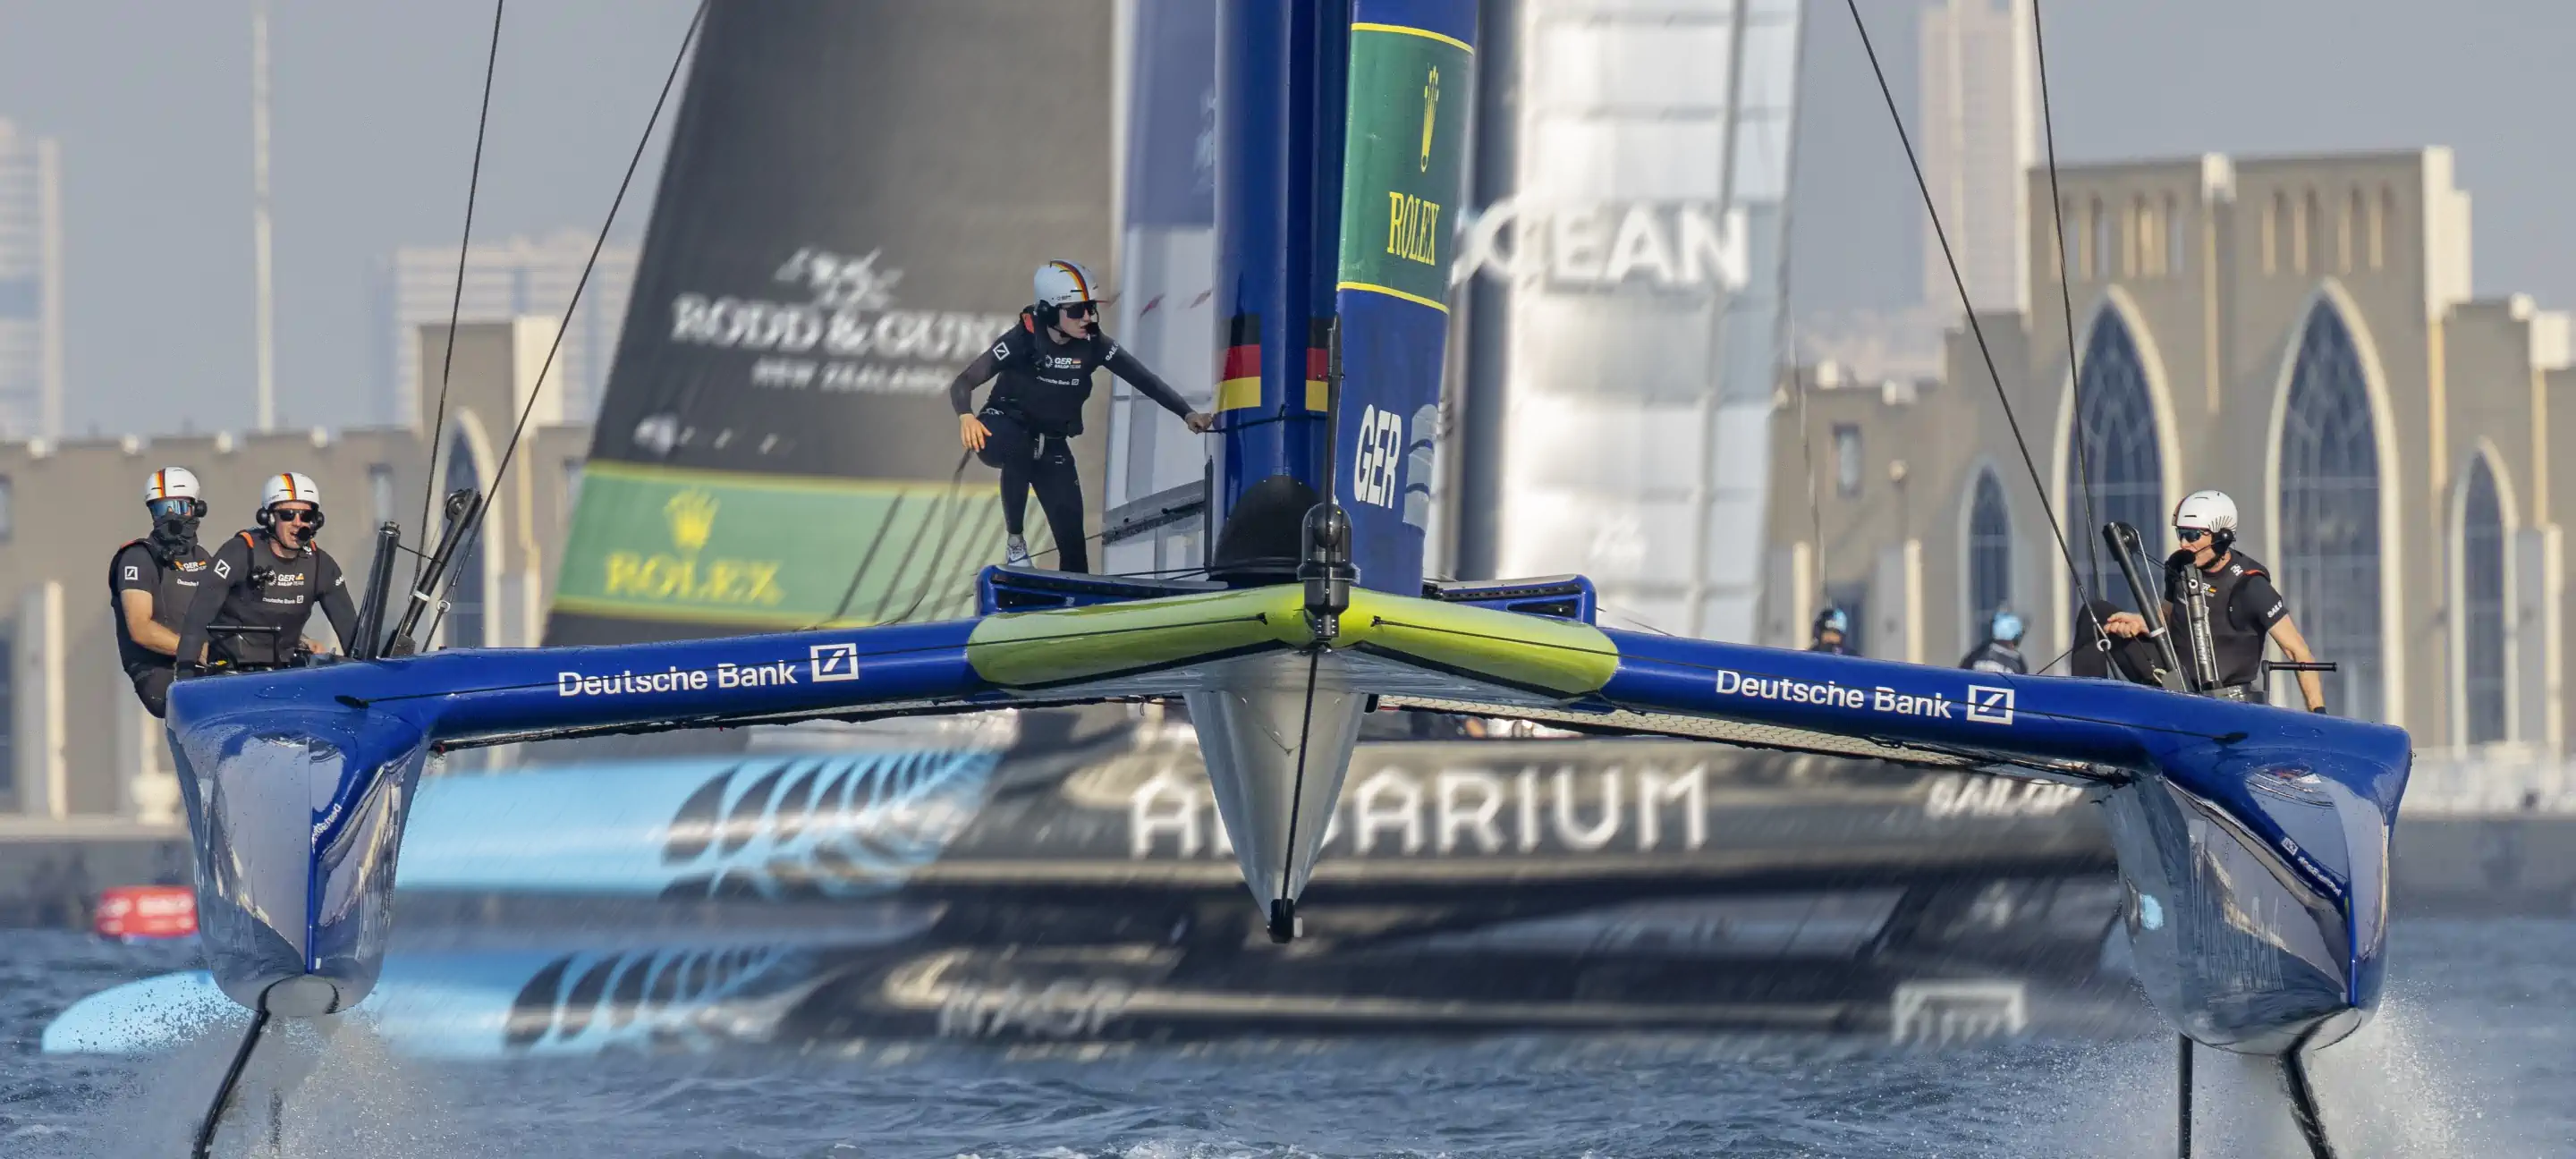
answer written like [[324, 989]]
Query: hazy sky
[[374, 122]]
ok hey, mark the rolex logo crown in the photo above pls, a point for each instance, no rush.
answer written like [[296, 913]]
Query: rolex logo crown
[[1430, 115], [693, 518]]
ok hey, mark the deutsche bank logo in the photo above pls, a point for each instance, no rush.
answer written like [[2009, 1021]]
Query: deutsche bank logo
[[1990, 705], [835, 662]]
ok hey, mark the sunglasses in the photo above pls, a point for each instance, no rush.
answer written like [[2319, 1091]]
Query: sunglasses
[[282, 516], [1077, 311], [2190, 534], [177, 508]]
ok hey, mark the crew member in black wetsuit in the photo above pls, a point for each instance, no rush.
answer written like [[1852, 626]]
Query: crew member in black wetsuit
[[2001, 650], [2221, 605], [151, 581], [1046, 363], [1833, 625], [270, 577]]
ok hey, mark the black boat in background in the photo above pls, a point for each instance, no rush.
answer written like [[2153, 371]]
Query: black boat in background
[[1072, 882]]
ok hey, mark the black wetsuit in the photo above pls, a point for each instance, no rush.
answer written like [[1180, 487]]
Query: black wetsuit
[[1034, 409], [1997, 656], [2243, 607], [248, 585], [172, 577]]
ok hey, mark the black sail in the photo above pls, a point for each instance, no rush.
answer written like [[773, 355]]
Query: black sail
[[852, 202]]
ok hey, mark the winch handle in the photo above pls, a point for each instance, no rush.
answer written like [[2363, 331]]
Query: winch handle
[[2126, 550]]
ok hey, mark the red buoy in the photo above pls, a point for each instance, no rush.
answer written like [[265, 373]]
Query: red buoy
[[147, 911]]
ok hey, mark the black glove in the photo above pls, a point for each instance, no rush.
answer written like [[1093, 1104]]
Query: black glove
[[2319, 708]]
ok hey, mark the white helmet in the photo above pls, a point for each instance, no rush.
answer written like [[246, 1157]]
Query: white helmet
[[1063, 283], [171, 483], [2210, 511], [290, 487]]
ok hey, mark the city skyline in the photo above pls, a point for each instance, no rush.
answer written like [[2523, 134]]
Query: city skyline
[[504, 278], [374, 128]]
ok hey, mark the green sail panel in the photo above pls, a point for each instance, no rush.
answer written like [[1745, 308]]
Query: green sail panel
[[776, 552], [1401, 184]]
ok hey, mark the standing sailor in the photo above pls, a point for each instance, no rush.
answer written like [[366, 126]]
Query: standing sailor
[[151, 581], [2001, 651], [2222, 605], [1832, 626], [1045, 363], [268, 580]]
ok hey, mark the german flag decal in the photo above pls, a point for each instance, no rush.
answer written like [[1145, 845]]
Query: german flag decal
[[1238, 384], [1319, 364]]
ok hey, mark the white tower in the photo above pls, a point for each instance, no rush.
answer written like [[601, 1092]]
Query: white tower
[[1980, 129], [31, 285]]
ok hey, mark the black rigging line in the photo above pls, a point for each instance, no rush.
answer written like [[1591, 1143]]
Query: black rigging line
[[1283, 925], [456, 304], [2066, 304], [2082, 594], [474, 529]]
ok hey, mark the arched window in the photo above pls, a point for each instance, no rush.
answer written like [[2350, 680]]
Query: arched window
[[1989, 552], [2329, 534], [2115, 461], [465, 604], [2482, 643]]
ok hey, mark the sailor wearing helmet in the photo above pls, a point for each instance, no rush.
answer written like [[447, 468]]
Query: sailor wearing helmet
[[268, 579], [152, 581], [2223, 605], [1832, 630], [1045, 364], [2001, 649]]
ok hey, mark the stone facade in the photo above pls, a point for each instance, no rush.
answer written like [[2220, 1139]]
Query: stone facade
[[2296, 331]]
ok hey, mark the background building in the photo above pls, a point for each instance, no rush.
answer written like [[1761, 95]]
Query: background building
[[519, 277], [75, 746], [31, 285], [2296, 331]]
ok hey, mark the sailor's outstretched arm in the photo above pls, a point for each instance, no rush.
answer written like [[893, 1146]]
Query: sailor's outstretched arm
[[1136, 374], [2311, 686]]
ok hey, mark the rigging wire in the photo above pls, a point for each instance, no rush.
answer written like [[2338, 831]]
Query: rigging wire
[[474, 529], [456, 304], [2082, 593], [938, 508], [2066, 304]]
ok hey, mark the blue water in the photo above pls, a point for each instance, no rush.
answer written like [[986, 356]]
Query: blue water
[[2474, 1055]]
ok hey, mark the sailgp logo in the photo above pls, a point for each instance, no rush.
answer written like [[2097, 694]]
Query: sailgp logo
[[834, 662], [1989, 705]]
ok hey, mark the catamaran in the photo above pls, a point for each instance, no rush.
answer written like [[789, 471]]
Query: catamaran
[[2251, 843]]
